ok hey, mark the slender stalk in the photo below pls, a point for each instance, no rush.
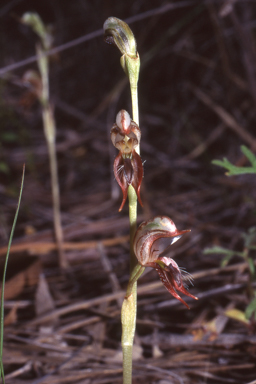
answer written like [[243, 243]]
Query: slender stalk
[[49, 128], [129, 308], [50, 135], [133, 65], [136, 273], [133, 223], [128, 318]]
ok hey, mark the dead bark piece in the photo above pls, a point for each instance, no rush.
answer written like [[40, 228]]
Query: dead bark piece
[[44, 302], [11, 317], [24, 271], [225, 340]]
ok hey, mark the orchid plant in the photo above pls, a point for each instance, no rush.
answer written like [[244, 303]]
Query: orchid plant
[[38, 84], [150, 242]]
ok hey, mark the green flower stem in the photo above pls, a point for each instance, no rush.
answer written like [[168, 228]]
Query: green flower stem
[[135, 274], [132, 65], [128, 319], [132, 197], [129, 308], [134, 94]]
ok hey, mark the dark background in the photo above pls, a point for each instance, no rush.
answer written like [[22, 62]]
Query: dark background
[[197, 98]]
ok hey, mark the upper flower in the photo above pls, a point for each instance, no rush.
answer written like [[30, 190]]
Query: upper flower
[[117, 32], [125, 133], [128, 168], [151, 242]]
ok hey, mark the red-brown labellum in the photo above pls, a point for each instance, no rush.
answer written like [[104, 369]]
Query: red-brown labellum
[[128, 171]]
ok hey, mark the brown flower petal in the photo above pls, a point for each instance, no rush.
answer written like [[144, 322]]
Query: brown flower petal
[[168, 283], [171, 277], [128, 171], [137, 174]]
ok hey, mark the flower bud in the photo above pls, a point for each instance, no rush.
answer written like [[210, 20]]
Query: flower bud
[[123, 121], [117, 32], [125, 133]]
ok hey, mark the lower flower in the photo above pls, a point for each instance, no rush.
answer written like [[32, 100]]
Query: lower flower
[[172, 277], [151, 241]]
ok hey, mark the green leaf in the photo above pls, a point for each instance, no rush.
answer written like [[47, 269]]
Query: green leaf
[[238, 315], [9, 137], [233, 169], [251, 265], [224, 251], [4, 167], [250, 156], [250, 309], [217, 249], [226, 260], [250, 238]]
